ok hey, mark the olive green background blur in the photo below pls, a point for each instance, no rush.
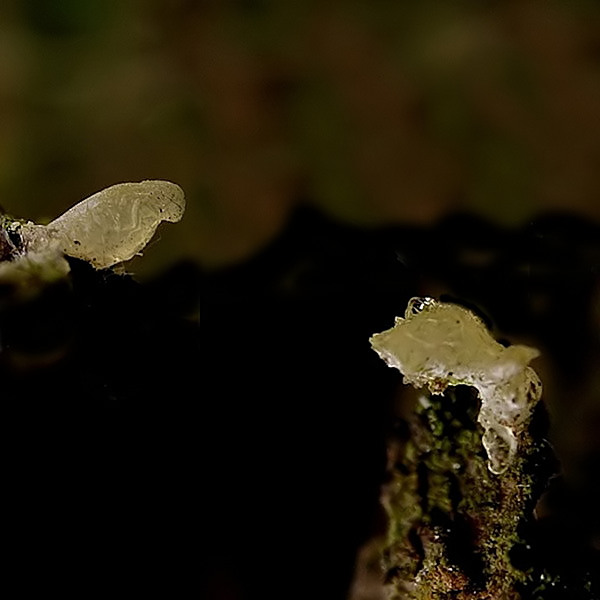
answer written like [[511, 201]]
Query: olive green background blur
[[375, 111]]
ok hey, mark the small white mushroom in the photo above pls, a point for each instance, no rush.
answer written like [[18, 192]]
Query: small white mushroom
[[112, 226], [439, 344]]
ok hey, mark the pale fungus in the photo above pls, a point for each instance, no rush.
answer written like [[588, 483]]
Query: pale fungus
[[110, 227], [440, 344]]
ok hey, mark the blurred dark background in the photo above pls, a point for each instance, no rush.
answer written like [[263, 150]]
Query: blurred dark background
[[223, 426], [375, 112]]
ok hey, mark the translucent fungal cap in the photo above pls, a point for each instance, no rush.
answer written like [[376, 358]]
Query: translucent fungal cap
[[439, 344], [112, 226]]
